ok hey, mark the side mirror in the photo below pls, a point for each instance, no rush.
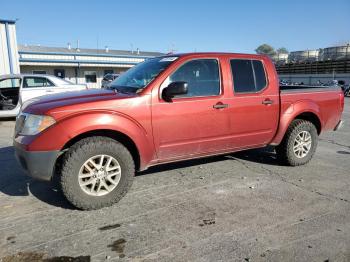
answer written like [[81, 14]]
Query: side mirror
[[174, 89]]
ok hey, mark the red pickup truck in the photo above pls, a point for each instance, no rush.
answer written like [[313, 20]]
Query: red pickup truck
[[168, 109]]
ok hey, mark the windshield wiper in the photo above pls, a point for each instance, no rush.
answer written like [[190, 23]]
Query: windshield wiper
[[121, 90]]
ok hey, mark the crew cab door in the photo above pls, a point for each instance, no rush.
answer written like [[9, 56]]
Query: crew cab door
[[254, 107], [193, 123]]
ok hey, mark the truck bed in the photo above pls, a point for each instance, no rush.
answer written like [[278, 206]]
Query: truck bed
[[323, 100], [299, 87]]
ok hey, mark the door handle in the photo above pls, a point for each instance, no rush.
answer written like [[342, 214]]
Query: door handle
[[267, 101], [220, 106], [49, 91]]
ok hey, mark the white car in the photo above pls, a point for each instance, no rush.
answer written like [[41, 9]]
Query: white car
[[17, 89]]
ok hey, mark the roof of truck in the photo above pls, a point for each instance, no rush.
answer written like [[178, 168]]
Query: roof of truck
[[214, 53]]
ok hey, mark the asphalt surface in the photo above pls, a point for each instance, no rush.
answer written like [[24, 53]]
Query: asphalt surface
[[240, 207]]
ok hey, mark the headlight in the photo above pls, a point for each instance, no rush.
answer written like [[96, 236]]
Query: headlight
[[33, 124]]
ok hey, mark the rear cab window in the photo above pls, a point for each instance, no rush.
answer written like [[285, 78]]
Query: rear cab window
[[248, 75]]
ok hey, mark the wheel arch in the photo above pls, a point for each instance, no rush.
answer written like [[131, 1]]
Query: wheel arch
[[311, 117], [305, 110], [120, 137]]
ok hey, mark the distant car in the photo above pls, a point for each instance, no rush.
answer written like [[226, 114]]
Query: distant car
[[107, 79], [16, 89]]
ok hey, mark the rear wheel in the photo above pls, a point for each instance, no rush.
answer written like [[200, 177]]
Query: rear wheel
[[299, 143], [96, 172]]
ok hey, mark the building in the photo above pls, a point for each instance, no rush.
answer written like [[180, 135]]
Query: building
[[9, 63], [78, 65], [314, 66]]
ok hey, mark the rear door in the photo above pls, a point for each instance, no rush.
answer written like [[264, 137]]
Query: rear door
[[34, 86], [193, 123], [254, 107]]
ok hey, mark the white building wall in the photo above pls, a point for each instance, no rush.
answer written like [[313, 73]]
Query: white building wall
[[8, 50]]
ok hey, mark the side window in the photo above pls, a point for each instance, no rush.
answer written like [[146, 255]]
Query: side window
[[202, 77], [39, 82], [243, 78], [10, 83], [260, 77], [248, 75]]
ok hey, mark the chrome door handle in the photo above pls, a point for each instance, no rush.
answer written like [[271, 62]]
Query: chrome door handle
[[267, 102], [220, 106]]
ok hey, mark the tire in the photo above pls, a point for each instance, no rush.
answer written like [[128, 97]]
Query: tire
[[77, 161], [286, 150]]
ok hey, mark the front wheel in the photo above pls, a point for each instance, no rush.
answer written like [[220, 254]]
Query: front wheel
[[96, 172], [299, 143]]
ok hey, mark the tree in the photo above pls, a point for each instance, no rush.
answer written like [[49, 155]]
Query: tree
[[265, 49], [282, 50]]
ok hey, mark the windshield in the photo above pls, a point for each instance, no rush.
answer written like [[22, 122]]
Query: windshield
[[138, 77]]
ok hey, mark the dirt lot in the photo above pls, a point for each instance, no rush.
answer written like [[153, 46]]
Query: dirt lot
[[240, 207]]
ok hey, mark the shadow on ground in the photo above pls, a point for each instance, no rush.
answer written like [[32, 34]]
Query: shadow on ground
[[14, 182]]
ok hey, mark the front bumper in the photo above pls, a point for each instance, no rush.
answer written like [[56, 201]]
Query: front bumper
[[38, 164], [339, 125]]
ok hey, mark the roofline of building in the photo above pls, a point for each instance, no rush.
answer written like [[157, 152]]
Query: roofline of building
[[6, 21], [85, 54], [73, 62]]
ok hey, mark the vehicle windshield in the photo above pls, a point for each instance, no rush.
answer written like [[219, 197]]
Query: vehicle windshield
[[138, 77]]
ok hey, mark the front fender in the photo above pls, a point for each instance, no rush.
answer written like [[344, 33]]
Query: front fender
[[290, 111], [57, 136]]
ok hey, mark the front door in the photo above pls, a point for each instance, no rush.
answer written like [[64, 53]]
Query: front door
[[9, 96], [195, 123]]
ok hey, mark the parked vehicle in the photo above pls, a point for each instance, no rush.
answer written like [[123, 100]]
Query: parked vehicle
[[346, 90], [107, 80], [17, 89], [168, 109]]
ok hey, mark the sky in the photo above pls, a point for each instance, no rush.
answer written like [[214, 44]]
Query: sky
[[181, 25]]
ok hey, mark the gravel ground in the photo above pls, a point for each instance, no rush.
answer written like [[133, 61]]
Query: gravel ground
[[240, 207]]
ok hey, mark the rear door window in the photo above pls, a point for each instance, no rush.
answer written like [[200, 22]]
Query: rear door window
[[260, 77], [248, 75], [37, 82]]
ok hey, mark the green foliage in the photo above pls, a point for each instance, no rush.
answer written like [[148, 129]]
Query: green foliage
[[282, 50], [265, 49]]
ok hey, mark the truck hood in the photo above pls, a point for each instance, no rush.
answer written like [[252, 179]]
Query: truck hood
[[73, 101]]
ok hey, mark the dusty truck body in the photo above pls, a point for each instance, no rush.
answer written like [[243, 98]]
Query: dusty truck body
[[168, 109]]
